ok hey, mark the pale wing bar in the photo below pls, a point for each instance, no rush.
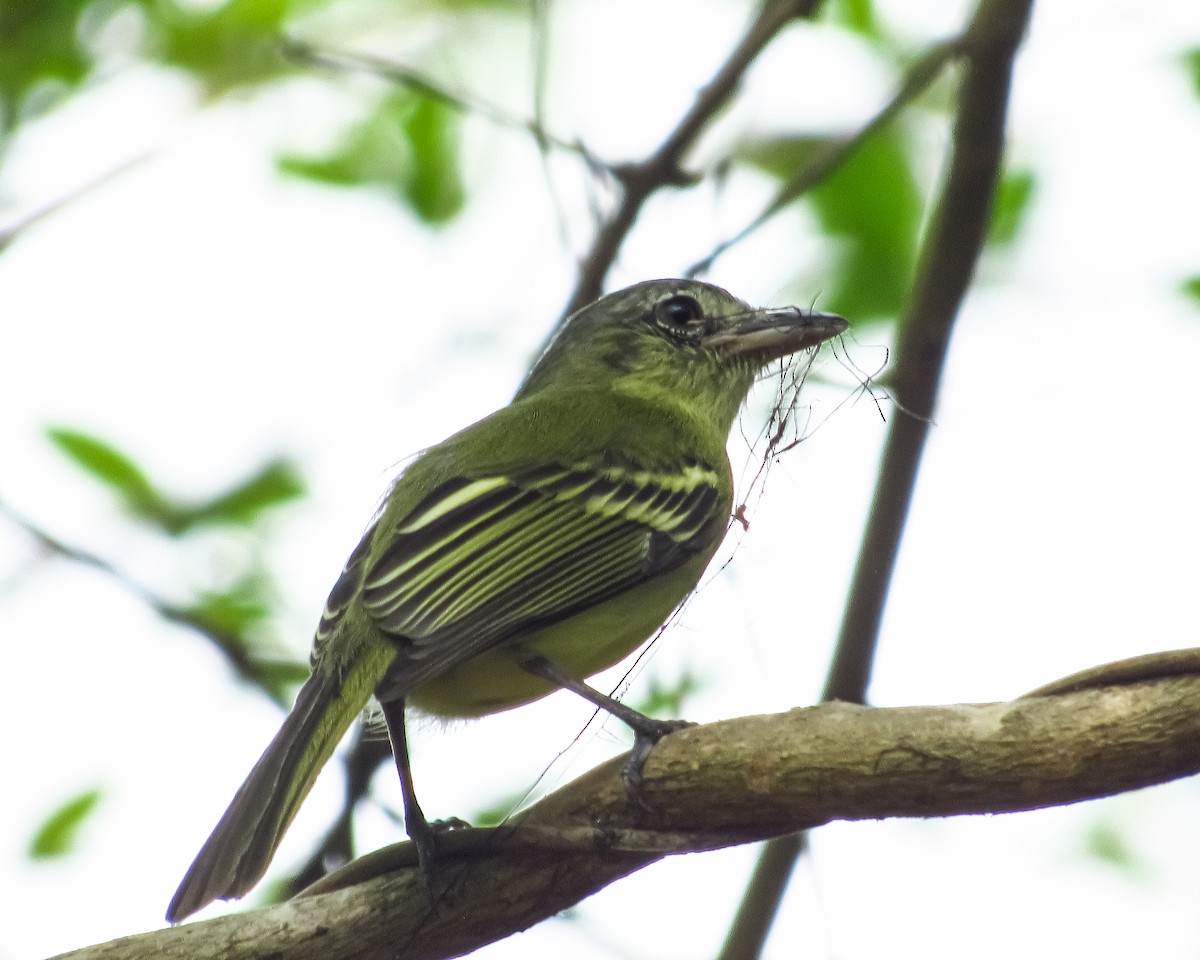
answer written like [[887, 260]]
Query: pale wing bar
[[603, 566], [471, 541], [491, 561], [677, 503], [480, 561]]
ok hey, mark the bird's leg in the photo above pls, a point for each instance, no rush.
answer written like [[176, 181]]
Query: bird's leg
[[647, 731], [418, 828]]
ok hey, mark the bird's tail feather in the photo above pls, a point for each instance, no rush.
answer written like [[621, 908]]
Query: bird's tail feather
[[237, 853]]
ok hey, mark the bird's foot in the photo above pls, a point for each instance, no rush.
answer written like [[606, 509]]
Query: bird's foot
[[647, 732]]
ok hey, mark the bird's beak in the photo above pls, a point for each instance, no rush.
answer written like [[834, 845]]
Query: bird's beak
[[774, 332]]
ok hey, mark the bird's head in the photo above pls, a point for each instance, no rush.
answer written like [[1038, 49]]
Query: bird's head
[[679, 341]]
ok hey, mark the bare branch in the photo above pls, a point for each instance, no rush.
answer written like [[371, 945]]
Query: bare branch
[[258, 673], [339, 60], [918, 79], [720, 785], [664, 167], [10, 232]]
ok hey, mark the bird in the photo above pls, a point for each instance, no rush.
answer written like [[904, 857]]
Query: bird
[[527, 552]]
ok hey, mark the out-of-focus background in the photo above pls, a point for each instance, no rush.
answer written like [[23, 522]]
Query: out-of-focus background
[[237, 290]]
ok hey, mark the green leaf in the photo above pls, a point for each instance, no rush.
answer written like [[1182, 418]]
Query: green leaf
[[408, 146], [1191, 63], [372, 153], [855, 15], [234, 619], [434, 185], [59, 833], [872, 205], [1191, 289], [275, 484], [784, 156], [225, 45], [499, 810], [668, 700], [42, 60], [114, 469], [230, 612], [1105, 842], [1013, 196]]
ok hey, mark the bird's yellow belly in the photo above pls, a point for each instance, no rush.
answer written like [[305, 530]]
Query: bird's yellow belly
[[585, 644]]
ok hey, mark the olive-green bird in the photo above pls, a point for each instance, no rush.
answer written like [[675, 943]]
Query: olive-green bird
[[527, 552]]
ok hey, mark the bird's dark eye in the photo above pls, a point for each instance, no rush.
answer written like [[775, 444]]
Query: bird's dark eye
[[676, 313]]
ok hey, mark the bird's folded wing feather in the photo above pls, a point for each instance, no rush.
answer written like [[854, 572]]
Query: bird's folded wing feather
[[483, 559]]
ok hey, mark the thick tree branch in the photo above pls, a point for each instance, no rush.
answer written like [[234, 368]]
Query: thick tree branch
[[725, 784]]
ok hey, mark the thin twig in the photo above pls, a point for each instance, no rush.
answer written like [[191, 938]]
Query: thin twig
[[11, 231], [663, 168], [339, 60], [835, 153], [540, 29], [250, 669]]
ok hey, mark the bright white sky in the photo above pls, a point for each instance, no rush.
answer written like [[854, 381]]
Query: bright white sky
[[203, 315]]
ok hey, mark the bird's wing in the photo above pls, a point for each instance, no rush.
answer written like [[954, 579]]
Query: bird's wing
[[484, 559]]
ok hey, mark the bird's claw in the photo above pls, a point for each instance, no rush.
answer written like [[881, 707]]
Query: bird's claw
[[645, 737]]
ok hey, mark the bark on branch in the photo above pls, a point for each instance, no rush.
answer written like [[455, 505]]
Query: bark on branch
[[1112, 729]]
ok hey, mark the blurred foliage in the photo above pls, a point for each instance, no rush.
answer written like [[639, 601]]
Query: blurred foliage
[[59, 833], [274, 484], [229, 45], [40, 56], [235, 616], [111, 467], [499, 810], [233, 611], [669, 700], [871, 207], [857, 16], [408, 146], [874, 208], [1107, 842], [434, 185], [52, 49], [1014, 195], [1191, 289], [1191, 63]]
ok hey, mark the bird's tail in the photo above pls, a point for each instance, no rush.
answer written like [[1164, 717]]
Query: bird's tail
[[241, 846]]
